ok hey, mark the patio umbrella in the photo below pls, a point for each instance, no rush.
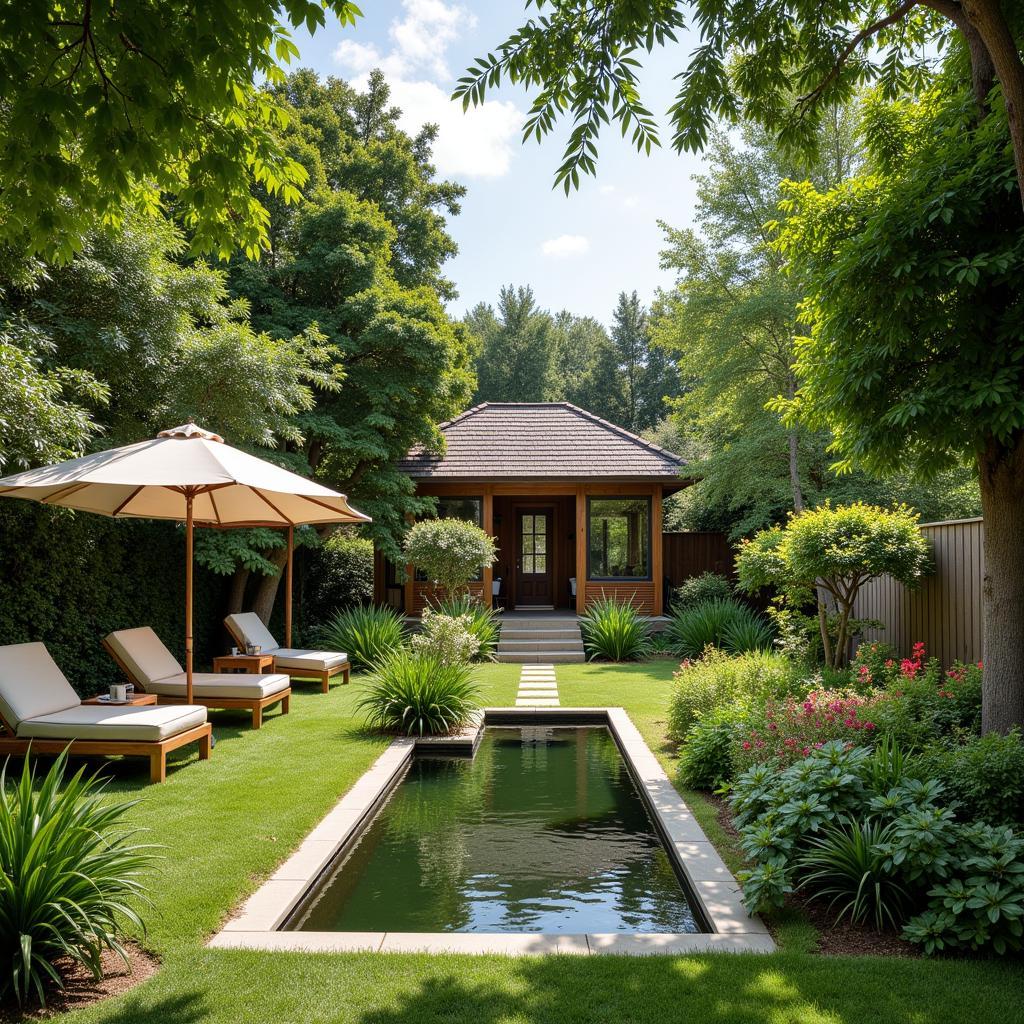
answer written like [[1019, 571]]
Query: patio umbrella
[[191, 476]]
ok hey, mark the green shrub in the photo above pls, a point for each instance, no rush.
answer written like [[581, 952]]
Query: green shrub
[[70, 877], [705, 760], [719, 679], [367, 634], [708, 586], [450, 552], [445, 638], [718, 623], [419, 695], [985, 775], [614, 631], [485, 624], [339, 575]]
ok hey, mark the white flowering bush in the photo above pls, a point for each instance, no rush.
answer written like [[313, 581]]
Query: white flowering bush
[[448, 639], [450, 552]]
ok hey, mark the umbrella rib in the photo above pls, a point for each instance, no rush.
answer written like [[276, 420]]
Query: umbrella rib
[[120, 508], [360, 518], [64, 492], [260, 494], [216, 511]]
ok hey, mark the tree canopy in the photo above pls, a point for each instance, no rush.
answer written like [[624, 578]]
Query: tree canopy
[[105, 106]]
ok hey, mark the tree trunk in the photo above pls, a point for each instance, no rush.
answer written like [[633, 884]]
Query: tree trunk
[[236, 599], [266, 592], [1001, 472], [826, 640], [794, 472]]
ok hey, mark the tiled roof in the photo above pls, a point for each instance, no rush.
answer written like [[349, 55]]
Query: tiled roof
[[540, 440]]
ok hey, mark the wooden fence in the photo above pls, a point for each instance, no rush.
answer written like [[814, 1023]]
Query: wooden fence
[[689, 554], [945, 611]]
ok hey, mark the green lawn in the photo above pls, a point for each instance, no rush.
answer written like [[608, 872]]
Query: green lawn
[[227, 824]]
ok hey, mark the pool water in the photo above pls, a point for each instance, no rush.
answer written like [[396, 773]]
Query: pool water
[[542, 831]]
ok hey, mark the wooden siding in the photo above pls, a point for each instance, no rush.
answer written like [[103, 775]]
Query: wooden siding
[[690, 554], [424, 593], [945, 611], [639, 593]]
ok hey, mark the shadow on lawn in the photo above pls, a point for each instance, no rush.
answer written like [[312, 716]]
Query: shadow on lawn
[[184, 1008], [721, 989]]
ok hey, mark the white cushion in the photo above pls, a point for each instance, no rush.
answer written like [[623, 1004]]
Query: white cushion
[[31, 684], [314, 661], [247, 628], [96, 722], [143, 654], [211, 685]]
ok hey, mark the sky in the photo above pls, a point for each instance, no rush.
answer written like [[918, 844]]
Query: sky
[[577, 252]]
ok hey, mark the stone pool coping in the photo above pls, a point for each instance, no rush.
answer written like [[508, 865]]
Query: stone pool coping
[[710, 881]]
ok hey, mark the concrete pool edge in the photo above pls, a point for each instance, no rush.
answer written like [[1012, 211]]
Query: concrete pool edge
[[258, 924]]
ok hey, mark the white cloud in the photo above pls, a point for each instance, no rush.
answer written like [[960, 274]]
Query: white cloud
[[566, 245], [606, 190], [479, 142], [630, 202]]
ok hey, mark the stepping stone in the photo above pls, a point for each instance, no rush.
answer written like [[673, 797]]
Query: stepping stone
[[539, 703]]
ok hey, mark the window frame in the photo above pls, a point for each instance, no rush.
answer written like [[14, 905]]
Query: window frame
[[649, 500]]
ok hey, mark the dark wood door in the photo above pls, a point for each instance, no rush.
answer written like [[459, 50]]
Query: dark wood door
[[534, 557]]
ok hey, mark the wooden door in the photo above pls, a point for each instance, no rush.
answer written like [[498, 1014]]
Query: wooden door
[[534, 557]]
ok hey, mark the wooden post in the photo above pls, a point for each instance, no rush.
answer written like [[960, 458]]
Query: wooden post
[[488, 526], [188, 597], [581, 549], [657, 558], [288, 588]]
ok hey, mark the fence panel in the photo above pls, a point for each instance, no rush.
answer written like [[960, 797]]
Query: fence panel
[[945, 611], [689, 554]]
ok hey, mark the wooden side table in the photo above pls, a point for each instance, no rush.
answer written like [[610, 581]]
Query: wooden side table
[[254, 664], [138, 700]]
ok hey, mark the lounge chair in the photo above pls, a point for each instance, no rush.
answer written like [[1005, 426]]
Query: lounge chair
[[40, 711], [247, 628], [152, 668]]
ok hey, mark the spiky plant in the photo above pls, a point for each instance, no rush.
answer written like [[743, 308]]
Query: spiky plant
[[367, 634]]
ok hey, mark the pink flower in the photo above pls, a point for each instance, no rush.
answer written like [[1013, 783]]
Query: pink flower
[[746, 744]]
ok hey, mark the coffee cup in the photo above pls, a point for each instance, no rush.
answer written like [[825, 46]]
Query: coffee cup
[[119, 692]]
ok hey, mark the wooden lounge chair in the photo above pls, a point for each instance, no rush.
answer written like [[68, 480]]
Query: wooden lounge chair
[[143, 658], [247, 628], [40, 711]]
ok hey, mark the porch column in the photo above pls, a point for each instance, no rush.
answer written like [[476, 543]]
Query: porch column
[[409, 574], [488, 524], [581, 549], [657, 573]]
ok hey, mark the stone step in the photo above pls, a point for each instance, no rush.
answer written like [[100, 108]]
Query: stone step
[[533, 657], [511, 646], [559, 633], [549, 622]]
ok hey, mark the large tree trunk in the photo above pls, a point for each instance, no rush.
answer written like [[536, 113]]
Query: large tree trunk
[[266, 592], [1001, 472], [236, 599]]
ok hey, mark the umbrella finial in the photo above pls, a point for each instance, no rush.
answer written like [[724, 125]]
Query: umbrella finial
[[189, 432]]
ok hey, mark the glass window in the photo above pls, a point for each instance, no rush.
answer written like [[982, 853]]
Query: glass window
[[619, 532]]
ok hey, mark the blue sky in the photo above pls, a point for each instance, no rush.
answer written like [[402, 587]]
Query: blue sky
[[578, 251]]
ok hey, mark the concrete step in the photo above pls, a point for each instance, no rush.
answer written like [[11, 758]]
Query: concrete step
[[511, 646], [540, 622], [517, 633], [532, 657]]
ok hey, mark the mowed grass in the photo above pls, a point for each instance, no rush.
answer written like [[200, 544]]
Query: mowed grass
[[226, 824]]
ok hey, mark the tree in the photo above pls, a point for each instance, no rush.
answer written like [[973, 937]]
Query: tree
[[915, 352], [104, 106], [450, 552], [784, 65], [584, 367], [835, 550], [515, 348]]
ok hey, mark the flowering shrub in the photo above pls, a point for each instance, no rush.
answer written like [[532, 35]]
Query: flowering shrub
[[450, 551], [448, 639], [793, 728]]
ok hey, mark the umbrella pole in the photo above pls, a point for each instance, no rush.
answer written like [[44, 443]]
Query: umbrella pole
[[188, 598], [288, 588]]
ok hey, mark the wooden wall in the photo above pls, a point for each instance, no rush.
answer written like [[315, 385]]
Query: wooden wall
[[690, 554], [945, 611], [640, 594]]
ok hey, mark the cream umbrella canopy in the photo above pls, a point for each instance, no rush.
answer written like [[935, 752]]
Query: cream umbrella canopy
[[189, 475]]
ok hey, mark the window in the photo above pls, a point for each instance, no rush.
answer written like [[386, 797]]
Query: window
[[619, 538], [470, 509], [533, 534]]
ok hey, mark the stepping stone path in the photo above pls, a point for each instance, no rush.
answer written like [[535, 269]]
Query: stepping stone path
[[537, 687]]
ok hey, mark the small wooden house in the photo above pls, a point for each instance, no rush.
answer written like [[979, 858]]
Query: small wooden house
[[574, 501]]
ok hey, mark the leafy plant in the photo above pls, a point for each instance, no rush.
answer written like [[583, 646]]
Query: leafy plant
[[747, 634], [340, 575], [708, 586], [367, 634], [613, 630], [446, 638], [69, 877], [705, 760], [419, 695], [718, 623], [845, 865], [485, 623], [450, 552]]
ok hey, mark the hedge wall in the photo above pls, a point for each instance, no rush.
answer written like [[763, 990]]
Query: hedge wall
[[69, 578]]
